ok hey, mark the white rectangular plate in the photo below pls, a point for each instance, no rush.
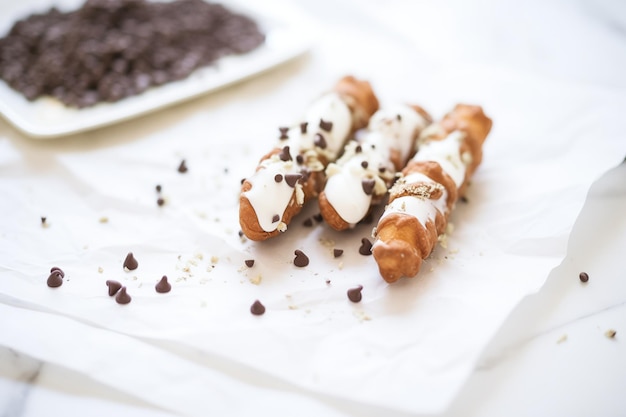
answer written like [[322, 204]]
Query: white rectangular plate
[[48, 118]]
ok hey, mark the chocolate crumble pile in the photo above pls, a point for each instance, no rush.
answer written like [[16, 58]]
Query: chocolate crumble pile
[[111, 49]]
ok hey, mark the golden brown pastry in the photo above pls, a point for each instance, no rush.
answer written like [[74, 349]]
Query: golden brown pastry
[[368, 166], [420, 202], [293, 172]]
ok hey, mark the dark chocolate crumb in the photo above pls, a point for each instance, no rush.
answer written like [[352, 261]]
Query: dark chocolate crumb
[[303, 127], [284, 154], [114, 287], [59, 270], [382, 169], [337, 252], [308, 222], [275, 218], [122, 296], [182, 168], [292, 179], [300, 159], [366, 247], [130, 263], [368, 186], [278, 177], [158, 188], [318, 217], [463, 199], [55, 279], [249, 263], [365, 164], [160, 201], [43, 221], [354, 294], [257, 308], [319, 141], [240, 233], [327, 282], [326, 126], [301, 260], [283, 133], [399, 117], [583, 276], [358, 149], [163, 286], [242, 181]]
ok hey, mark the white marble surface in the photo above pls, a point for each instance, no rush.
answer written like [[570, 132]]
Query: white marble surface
[[550, 357]]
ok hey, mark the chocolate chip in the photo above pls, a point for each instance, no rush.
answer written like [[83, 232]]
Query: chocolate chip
[[326, 126], [301, 260], [303, 127], [368, 186], [399, 117], [163, 286], [354, 294], [300, 159], [358, 149], [464, 199], [249, 263], [275, 218], [114, 287], [308, 222], [319, 141], [257, 308], [158, 188], [366, 247], [55, 279], [182, 168], [365, 164], [283, 133], [337, 252], [583, 276], [278, 177], [382, 169], [291, 179], [160, 201], [43, 220], [318, 217], [122, 296], [130, 263], [284, 154], [59, 270], [240, 233]]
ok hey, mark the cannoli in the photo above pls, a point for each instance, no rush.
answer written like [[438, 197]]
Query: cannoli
[[293, 172], [368, 166], [420, 202]]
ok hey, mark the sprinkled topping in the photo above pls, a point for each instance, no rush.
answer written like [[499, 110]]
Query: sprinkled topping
[[114, 287], [337, 252], [291, 179], [55, 279], [275, 218], [326, 126], [249, 263], [301, 260], [130, 263], [303, 127], [163, 286], [283, 133], [257, 308], [368, 185], [583, 276], [285, 155], [308, 222], [182, 168], [278, 177], [59, 270], [122, 296], [366, 247], [354, 294], [319, 141], [365, 164]]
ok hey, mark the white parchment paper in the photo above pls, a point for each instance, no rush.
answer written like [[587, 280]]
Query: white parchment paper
[[407, 346]]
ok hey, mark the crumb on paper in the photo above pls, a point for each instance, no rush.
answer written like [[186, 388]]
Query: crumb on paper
[[453, 251], [443, 240], [215, 259], [327, 242], [340, 266], [104, 219], [362, 316], [562, 339], [256, 280], [198, 255], [100, 270], [203, 304], [610, 333], [449, 228]]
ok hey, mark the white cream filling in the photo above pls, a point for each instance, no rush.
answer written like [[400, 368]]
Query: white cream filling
[[392, 128], [447, 153]]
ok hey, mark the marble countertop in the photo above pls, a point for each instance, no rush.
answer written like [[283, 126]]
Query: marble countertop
[[552, 355]]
